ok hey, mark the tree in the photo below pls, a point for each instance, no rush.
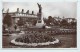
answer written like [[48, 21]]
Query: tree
[[34, 22], [55, 22], [7, 20], [64, 22], [49, 20], [21, 22], [73, 24]]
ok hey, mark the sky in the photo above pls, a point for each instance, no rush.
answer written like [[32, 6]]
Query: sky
[[66, 9]]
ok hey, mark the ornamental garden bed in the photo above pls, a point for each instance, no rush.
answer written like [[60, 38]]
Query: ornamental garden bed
[[35, 40]]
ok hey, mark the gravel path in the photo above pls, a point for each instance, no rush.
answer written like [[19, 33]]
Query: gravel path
[[67, 41]]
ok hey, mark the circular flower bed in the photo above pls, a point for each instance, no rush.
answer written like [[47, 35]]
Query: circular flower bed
[[34, 40]]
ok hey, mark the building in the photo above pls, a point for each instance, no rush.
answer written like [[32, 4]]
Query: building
[[27, 18], [71, 19]]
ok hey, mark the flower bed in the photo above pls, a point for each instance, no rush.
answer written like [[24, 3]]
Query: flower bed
[[34, 44], [35, 40]]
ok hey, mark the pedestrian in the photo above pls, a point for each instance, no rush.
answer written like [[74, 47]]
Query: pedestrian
[[15, 27]]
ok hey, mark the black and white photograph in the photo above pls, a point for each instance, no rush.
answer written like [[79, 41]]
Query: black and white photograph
[[39, 25]]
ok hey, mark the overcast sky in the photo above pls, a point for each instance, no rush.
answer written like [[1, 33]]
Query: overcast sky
[[66, 9]]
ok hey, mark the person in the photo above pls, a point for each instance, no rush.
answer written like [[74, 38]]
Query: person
[[15, 27]]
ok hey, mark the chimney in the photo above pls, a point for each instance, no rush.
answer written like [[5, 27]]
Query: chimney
[[2, 10], [27, 12], [17, 10], [22, 11], [8, 10], [32, 12]]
